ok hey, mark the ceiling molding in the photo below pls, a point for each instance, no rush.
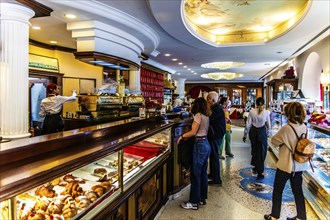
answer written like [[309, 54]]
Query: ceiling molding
[[39, 9], [91, 55], [119, 19], [51, 47]]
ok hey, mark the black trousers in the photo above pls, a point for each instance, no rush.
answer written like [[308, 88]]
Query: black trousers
[[296, 180], [52, 124], [258, 138]]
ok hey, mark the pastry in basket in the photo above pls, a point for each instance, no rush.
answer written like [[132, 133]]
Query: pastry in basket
[[113, 163], [98, 189], [91, 195], [55, 207], [45, 191], [82, 202], [73, 189], [42, 204]]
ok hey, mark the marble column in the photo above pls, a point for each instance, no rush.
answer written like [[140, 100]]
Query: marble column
[[14, 72], [179, 83], [134, 82]]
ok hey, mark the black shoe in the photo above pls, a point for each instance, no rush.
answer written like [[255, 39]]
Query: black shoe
[[230, 155], [202, 202], [269, 217], [222, 157], [260, 176], [211, 182]]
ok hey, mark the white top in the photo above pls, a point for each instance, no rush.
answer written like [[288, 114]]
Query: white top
[[203, 122], [177, 103], [257, 120], [53, 104]]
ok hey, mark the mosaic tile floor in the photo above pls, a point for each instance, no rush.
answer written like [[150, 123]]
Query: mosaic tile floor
[[231, 201]]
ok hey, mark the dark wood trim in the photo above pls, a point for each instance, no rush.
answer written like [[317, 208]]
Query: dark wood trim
[[51, 47], [92, 55], [39, 9]]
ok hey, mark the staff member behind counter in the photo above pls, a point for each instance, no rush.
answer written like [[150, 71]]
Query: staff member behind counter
[[51, 107]]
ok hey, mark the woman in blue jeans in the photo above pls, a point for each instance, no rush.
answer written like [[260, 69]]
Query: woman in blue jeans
[[201, 153]]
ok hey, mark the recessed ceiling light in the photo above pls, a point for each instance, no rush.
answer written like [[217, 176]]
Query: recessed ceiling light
[[53, 42], [36, 27], [180, 63], [184, 66], [195, 73], [174, 59], [179, 74], [192, 71], [71, 16], [189, 69], [167, 54]]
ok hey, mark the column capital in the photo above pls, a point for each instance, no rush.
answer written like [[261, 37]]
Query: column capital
[[16, 12]]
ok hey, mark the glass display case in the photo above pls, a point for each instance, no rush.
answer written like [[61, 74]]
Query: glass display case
[[316, 182], [104, 173]]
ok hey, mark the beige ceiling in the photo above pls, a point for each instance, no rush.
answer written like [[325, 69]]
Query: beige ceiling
[[242, 21]]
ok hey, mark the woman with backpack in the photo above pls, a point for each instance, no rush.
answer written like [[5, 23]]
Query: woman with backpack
[[287, 167]]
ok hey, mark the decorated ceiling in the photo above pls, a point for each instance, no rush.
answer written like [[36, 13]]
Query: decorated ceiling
[[242, 21]]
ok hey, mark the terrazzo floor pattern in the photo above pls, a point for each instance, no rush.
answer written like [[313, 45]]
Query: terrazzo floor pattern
[[230, 201]]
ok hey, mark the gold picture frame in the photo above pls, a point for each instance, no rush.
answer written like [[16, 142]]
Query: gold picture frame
[[38, 62]]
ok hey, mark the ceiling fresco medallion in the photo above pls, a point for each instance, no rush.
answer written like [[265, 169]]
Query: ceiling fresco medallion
[[223, 22], [222, 65], [222, 75]]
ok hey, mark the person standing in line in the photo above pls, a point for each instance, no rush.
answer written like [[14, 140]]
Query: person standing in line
[[287, 167], [227, 137], [201, 153], [216, 132], [51, 108], [257, 126]]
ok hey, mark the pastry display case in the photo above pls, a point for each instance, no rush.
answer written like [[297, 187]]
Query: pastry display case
[[317, 188], [90, 173]]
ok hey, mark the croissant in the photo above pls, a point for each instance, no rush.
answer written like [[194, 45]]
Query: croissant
[[54, 217], [91, 195], [98, 189], [55, 207], [45, 191], [106, 186], [82, 202], [42, 204], [39, 215], [73, 189], [68, 212]]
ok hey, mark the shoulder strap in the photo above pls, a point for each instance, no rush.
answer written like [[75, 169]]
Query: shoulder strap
[[294, 131]]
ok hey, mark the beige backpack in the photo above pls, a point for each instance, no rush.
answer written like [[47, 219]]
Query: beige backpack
[[305, 148]]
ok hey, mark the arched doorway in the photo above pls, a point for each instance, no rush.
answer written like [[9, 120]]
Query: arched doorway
[[311, 77]]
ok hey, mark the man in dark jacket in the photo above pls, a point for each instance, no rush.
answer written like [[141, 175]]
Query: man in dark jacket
[[216, 132]]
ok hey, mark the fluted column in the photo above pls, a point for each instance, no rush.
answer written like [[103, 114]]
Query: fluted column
[[179, 83], [14, 75], [134, 82]]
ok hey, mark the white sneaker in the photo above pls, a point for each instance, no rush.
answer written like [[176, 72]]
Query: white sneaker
[[188, 205]]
